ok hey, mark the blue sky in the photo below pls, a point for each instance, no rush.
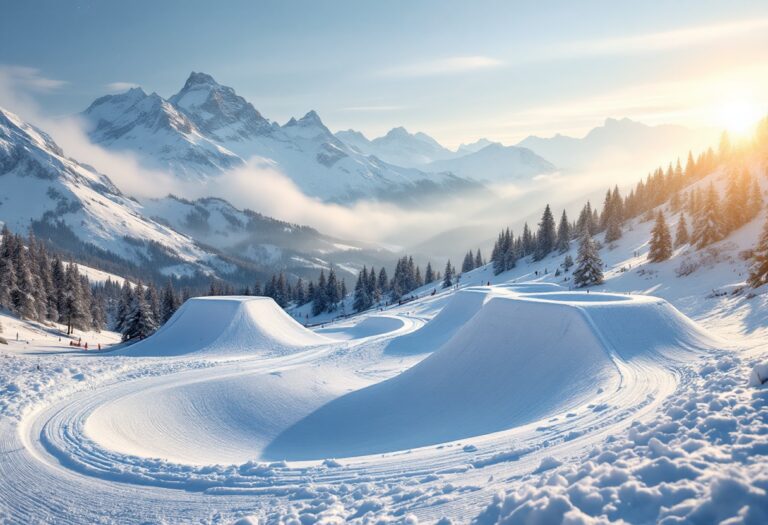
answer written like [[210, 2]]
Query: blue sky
[[456, 70]]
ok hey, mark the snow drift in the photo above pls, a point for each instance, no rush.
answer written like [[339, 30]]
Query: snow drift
[[226, 327], [520, 358]]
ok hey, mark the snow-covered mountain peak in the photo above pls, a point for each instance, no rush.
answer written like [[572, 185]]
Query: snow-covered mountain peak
[[353, 133], [13, 130], [218, 110], [398, 132], [206, 129], [310, 126], [476, 146], [200, 78]]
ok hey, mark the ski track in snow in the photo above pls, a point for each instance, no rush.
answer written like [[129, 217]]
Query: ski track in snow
[[55, 471]]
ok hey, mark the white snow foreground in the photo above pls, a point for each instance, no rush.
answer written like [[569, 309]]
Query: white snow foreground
[[531, 392]]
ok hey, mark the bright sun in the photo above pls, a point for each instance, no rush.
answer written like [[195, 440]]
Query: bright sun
[[738, 116]]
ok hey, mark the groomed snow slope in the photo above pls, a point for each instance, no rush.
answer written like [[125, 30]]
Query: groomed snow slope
[[520, 358], [227, 327], [460, 309]]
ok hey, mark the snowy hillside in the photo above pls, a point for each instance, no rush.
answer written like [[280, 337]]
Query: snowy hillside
[[81, 211], [248, 235], [206, 129]]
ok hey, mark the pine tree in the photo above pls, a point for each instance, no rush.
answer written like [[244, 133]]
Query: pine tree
[[23, 295], [124, 306], [758, 272], [661, 241], [281, 291], [755, 200], [681, 235], [7, 270], [98, 312], [311, 292], [735, 205], [383, 281], [153, 300], [613, 230], [300, 292], [469, 262], [708, 227], [169, 303], [140, 323], [589, 266], [479, 259], [448, 275], [361, 299], [529, 245], [320, 301], [563, 234], [546, 236], [429, 274], [74, 311], [333, 291]]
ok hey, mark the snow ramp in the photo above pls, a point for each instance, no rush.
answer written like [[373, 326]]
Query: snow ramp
[[460, 309], [519, 359], [227, 327]]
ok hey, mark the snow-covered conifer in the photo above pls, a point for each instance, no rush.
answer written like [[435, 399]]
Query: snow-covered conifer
[[681, 235], [661, 240], [589, 266]]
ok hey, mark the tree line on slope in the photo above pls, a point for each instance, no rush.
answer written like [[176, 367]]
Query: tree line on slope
[[713, 216], [37, 286]]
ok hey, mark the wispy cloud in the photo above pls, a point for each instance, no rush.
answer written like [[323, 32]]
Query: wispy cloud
[[677, 38], [443, 66], [115, 87], [29, 78]]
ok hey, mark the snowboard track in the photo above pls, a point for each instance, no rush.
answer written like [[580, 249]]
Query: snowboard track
[[55, 469]]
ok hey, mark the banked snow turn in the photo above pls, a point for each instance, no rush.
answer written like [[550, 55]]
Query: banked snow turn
[[523, 369], [513, 359]]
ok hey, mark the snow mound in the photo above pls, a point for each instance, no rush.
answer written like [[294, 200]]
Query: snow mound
[[227, 327], [460, 309], [517, 359]]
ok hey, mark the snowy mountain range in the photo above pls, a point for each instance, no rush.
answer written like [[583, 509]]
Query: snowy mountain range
[[399, 147], [206, 129], [482, 161], [620, 143], [495, 163], [82, 212], [270, 243]]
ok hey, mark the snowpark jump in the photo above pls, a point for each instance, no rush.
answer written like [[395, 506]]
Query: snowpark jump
[[525, 370]]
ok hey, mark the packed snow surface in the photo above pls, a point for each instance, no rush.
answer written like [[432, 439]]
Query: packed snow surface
[[227, 326], [519, 358]]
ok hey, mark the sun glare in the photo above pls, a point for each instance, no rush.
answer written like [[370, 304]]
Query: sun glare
[[738, 116]]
